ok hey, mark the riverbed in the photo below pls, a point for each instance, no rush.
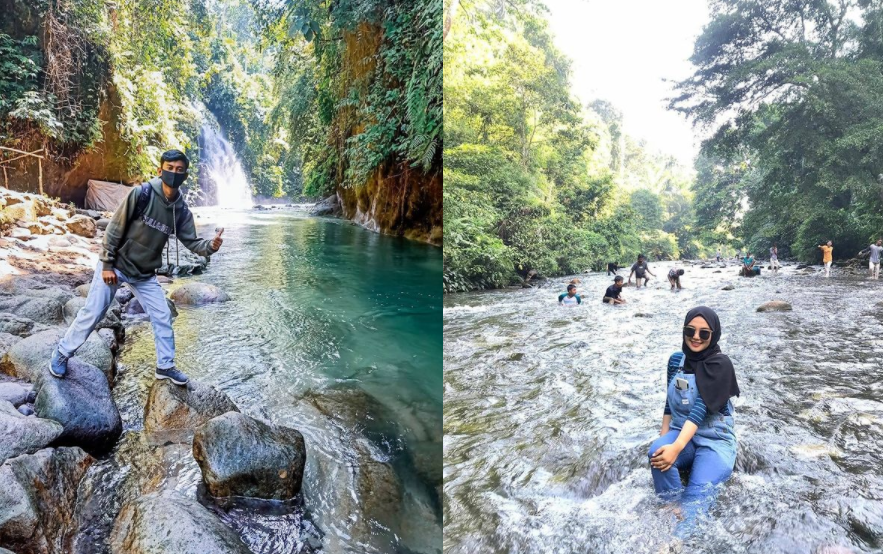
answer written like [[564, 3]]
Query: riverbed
[[335, 331], [549, 412]]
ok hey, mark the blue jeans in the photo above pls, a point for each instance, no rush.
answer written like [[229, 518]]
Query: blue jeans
[[152, 298], [707, 468]]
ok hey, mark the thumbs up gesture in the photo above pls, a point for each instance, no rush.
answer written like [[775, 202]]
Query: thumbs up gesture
[[217, 241]]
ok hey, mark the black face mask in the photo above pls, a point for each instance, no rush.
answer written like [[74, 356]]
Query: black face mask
[[173, 179]]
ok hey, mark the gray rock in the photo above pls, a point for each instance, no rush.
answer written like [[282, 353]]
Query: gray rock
[[38, 496], [19, 326], [81, 225], [92, 214], [29, 358], [112, 338], [123, 295], [166, 523], [14, 393], [7, 341], [83, 290], [728, 287], [39, 309], [242, 456], [171, 406], [24, 435], [328, 206], [83, 404], [195, 294], [774, 306], [102, 223], [26, 410]]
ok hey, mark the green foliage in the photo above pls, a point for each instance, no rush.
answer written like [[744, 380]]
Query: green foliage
[[800, 161], [648, 207]]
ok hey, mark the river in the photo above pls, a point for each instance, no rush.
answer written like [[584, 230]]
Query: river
[[333, 330], [549, 412]]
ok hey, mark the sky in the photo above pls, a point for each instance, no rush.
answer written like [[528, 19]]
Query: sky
[[622, 51]]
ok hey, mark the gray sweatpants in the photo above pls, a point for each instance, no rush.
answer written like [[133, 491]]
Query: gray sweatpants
[[152, 298]]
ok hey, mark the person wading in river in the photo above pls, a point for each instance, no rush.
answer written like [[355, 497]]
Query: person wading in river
[[613, 294], [640, 271], [674, 277], [569, 298], [827, 256], [874, 260], [131, 252], [697, 431], [774, 258]]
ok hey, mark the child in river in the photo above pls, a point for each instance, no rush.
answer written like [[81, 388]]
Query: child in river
[[569, 298], [697, 431]]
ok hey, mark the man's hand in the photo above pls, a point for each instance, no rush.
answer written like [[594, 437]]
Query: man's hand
[[665, 456], [217, 241], [109, 276]]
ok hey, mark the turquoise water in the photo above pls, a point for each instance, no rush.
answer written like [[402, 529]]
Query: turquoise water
[[336, 331]]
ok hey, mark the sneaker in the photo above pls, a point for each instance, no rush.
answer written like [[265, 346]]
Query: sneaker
[[171, 373], [58, 364]]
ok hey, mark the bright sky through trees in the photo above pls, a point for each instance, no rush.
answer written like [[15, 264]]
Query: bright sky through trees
[[622, 51]]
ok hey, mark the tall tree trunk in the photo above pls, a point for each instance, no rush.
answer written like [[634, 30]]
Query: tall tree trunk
[[450, 13]]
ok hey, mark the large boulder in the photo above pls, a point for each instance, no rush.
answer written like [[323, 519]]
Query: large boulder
[[41, 309], [29, 358], [24, 435], [194, 294], [83, 404], [774, 306], [328, 206], [19, 326], [242, 456], [25, 211], [172, 407], [82, 225], [38, 497], [166, 522], [7, 341]]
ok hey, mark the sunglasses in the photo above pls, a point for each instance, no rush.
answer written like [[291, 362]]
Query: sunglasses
[[690, 332]]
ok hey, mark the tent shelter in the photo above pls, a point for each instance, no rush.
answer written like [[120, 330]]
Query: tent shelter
[[105, 196]]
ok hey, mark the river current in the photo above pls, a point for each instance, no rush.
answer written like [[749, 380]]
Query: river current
[[333, 330], [549, 412]]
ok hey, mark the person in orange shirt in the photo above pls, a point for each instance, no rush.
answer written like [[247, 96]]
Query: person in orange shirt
[[827, 249]]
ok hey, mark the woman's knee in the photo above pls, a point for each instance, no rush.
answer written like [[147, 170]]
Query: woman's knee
[[657, 444]]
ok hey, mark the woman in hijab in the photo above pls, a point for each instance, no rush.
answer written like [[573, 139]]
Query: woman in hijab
[[697, 426]]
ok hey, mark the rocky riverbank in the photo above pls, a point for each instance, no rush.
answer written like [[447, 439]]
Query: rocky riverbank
[[80, 473]]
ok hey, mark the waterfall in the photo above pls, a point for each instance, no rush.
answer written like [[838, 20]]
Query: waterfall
[[222, 178]]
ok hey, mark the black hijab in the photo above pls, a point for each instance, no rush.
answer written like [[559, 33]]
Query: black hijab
[[715, 375]]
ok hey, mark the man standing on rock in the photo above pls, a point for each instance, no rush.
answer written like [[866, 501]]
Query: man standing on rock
[[131, 252]]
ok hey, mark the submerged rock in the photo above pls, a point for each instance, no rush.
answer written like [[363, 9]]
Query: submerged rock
[[195, 294], [167, 522], [728, 287], [22, 434], [774, 306], [171, 406], [38, 496], [29, 358], [242, 456], [83, 404]]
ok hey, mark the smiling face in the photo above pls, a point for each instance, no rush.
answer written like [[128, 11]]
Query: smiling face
[[695, 343]]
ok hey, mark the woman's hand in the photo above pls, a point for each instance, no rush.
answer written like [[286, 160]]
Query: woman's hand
[[665, 456]]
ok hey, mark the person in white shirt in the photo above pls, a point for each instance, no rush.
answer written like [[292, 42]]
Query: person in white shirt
[[774, 258], [874, 260]]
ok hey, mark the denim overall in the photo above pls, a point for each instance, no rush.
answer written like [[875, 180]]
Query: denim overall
[[711, 453]]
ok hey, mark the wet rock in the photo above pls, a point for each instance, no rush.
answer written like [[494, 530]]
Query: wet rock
[[328, 206], [640, 314], [242, 456], [133, 307], [167, 522], [14, 393], [195, 294], [774, 306], [171, 406], [24, 435], [40, 309], [29, 358], [81, 225], [83, 404], [102, 223], [32, 396], [728, 287], [379, 488], [38, 496], [26, 410]]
